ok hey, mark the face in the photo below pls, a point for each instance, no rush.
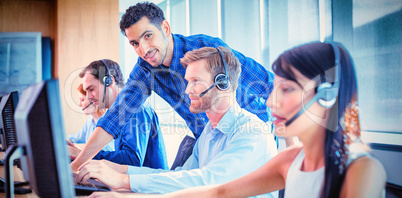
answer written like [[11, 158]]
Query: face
[[84, 102], [199, 79], [287, 98], [149, 42], [94, 90]]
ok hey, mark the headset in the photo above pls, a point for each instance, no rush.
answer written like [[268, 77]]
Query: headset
[[87, 105], [326, 92], [222, 81], [107, 79]]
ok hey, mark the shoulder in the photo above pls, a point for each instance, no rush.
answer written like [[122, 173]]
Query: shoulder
[[90, 121], [282, 161], [248, 123], [198, 41], [359, 179], [365, 165], [290, 153]]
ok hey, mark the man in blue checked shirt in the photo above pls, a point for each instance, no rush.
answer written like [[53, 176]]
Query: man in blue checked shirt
[[158, 69], [233, 143]]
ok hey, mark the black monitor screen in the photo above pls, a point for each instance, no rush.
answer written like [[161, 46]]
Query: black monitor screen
[[8, 104], [40, 131]]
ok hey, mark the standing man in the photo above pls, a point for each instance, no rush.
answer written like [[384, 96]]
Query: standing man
[[138, 140], [158, 69], [233, 143]]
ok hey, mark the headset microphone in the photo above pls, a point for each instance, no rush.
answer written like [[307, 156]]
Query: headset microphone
[[222, 81], [326, 92], [87, 105], [204, 92]]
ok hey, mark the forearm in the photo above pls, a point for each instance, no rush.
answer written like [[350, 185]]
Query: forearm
[[126, 157], [95, 143]]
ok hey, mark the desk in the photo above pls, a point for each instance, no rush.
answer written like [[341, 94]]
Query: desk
[[18, 176]]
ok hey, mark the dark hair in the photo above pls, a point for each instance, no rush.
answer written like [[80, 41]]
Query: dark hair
[[315, 60], [98, 69], [136, 12], [214, 62]]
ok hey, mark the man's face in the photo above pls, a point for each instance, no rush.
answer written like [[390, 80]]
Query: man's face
[[199, 79], [94, 89], [148, 41]]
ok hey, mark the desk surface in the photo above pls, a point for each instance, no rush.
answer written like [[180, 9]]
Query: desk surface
[[18, 176]]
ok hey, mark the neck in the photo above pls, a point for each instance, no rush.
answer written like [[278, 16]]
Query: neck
[[314, 150], [113, 96], [169, 53], [218, 110], [96, 116]]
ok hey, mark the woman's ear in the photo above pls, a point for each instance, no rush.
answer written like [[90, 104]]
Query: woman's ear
[[165, 28]]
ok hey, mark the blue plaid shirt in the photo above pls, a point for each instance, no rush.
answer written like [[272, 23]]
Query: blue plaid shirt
[[254, 86]]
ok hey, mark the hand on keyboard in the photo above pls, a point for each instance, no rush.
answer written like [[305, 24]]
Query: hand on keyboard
[[90, 183]]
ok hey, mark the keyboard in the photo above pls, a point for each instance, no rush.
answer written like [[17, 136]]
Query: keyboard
[[87, 189]]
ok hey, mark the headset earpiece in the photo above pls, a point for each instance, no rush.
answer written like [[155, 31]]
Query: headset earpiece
[[222, 82], [326, 91], [107, 79], [327, 95]]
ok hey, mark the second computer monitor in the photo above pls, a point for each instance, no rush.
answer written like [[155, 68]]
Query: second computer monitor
[[40, 132], [8, 135]]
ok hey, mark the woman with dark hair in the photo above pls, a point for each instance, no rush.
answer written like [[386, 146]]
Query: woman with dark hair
[[315, 99]]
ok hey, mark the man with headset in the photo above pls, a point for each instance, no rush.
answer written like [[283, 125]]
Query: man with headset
[[139, 141], [233, 143], [158, 69]]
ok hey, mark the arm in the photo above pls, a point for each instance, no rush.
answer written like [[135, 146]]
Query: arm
[[268, 178], [365, 177], [95, 143], [133, 141], [244, 153]]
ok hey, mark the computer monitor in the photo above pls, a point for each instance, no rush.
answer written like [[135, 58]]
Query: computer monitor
[[8, 104], [41, 144]]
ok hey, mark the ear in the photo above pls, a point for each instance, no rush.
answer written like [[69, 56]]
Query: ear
[[165, 28], [113, 80]]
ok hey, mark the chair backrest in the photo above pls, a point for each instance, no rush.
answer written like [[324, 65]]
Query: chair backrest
[[184, 152]]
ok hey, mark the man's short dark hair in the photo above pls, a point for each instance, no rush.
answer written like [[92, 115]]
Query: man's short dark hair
[[136, 12], [98, 69]]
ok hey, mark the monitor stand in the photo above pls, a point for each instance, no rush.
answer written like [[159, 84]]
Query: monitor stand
[[17, 187], [12, 153]]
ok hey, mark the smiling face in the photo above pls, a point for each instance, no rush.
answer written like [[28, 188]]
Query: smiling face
[[199, 79], [150, 42], [288, 98]]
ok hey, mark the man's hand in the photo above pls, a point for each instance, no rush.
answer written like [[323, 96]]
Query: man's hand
[[110, 194], [73, 150], [117, 167], [100, 170]]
